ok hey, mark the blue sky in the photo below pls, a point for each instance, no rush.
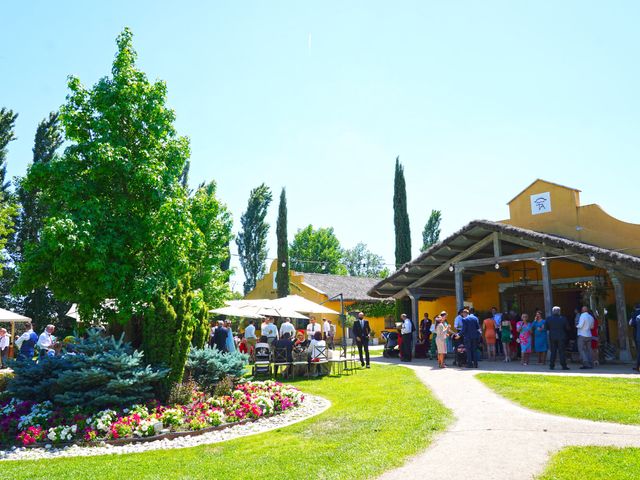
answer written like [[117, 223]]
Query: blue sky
[[478, 98]]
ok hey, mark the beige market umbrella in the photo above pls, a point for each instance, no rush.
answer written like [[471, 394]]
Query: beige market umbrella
[[266, 308], [234, 311], [12, 318], [301, 304]]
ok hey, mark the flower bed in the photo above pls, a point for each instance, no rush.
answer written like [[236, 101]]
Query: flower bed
[[26, 423]]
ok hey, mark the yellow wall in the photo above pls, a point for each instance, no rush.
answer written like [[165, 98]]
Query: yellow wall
[[265, 288], [588, 223]]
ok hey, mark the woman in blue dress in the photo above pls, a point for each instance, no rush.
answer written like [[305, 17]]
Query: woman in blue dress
[[525, 329], [540, 343]]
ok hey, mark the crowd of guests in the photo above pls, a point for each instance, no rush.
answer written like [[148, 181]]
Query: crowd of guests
[[511, 336], [31, 347], [310, 344]]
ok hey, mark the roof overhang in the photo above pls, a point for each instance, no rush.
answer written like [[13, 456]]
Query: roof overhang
[[481, 244]]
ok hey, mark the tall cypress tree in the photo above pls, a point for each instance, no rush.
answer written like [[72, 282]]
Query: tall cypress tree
[[282, 277], [252, 239], [402, 230], [7, 124], [401, 217]]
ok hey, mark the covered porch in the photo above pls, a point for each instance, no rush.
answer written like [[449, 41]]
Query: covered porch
[[489, 264]]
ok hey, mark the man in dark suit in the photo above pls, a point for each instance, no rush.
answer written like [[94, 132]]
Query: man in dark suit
[[220, 335], [471, 335], [362, 330], [558, 329]]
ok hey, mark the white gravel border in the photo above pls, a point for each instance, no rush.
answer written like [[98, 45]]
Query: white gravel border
[[312, 406]]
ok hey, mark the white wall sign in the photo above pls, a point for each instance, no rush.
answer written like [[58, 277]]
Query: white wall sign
[[540, 203]]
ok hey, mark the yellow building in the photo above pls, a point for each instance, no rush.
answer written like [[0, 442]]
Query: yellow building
[[551, 251], [325, 289]]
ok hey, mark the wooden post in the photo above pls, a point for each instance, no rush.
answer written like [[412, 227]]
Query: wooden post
[[546, 287], [497, 246], [621, 314], [414, 315], [459, 287]]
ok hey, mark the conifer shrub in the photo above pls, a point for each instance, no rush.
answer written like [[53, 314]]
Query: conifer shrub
[[207, 366], [104, 373]]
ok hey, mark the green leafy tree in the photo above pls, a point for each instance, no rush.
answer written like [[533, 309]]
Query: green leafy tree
[[252, 239], [120, 223], [431, 232], [209, 247], [361, 262], [7, 207], [38, 304], [402, 229], [316, 251], [7, 134], [282, 276]]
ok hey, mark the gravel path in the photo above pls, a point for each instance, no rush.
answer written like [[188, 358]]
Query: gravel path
[[311, 406], [496, 439]]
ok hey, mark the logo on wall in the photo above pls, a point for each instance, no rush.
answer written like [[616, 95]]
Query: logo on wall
[[540, 203]]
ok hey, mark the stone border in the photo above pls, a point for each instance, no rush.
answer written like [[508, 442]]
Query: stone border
[[312, 406]]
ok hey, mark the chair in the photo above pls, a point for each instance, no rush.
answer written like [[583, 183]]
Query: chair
[[262, 365], [281, 359], [320, 356], [339, 362], [300, 360], [351, 361]]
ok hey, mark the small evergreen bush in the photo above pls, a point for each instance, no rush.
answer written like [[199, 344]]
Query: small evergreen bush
[[207, 366], [104, 373]]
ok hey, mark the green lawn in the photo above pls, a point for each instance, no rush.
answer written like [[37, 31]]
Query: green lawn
[[603, 399], [594, 462], [378, 418]]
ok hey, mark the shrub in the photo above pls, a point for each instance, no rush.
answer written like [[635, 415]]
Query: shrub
[[207, 366], [181, 393], [224, 386], [4, 382], [105, 373]]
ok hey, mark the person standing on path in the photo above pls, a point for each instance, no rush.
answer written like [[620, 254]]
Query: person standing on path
[[540, 343], [362, 330], [585, 324], [558, 329], [407, 337], [635, 323], [506, 336], [524, 329], [497, 318], [489, 331], [471, 334], [441, 334], [425, 329]]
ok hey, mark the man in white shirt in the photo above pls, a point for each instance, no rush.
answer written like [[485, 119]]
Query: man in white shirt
[[4, 347], [312, 328], [271, 332], [287, 327], [328, 332], [250, 336], [585, 324], [46, 340], [407, 337]]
